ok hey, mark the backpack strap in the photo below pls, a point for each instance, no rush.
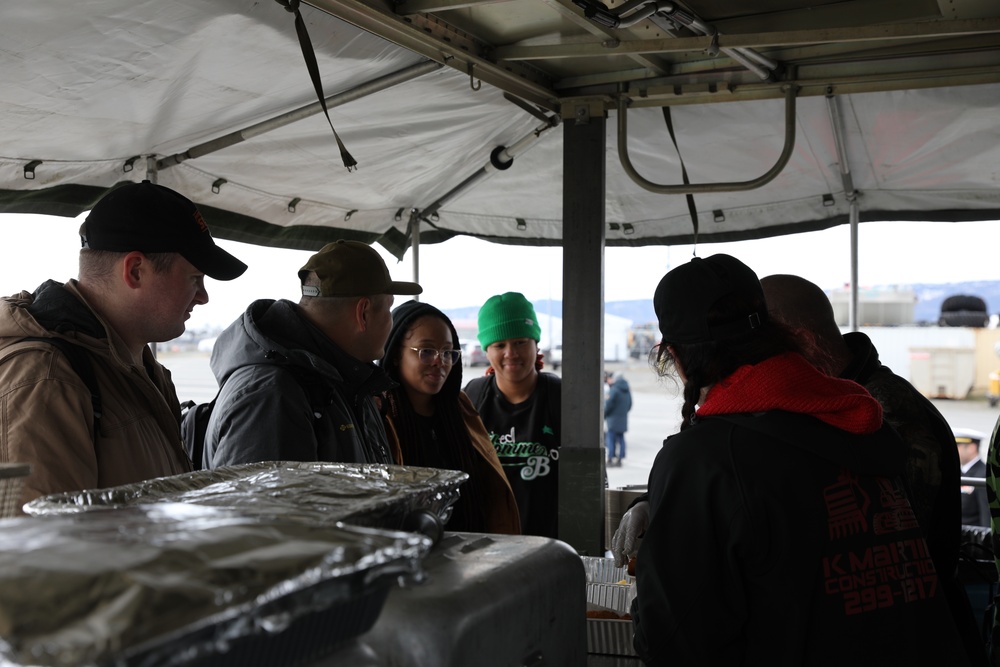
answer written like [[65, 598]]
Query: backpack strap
[[80, 362], [195, 416], [194, 427]]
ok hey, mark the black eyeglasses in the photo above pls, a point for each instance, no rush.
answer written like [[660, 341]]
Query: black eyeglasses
[[429, 355]]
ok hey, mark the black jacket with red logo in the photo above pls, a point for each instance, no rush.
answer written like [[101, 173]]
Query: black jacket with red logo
[[781, 533]]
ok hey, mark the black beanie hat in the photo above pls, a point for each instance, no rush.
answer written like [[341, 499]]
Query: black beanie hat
[[687, 293], [403, 317]]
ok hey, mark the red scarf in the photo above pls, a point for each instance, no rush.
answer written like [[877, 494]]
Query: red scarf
[[789, 382]]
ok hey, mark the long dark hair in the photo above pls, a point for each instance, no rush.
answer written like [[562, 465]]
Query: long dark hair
[[705, 364], [458, 452]]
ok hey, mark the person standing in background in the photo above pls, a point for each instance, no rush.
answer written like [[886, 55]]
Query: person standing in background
[[521, 408], [616, 408], [975, 506]]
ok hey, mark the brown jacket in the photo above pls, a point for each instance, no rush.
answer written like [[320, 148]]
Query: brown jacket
[[46, 416], [502, 515]]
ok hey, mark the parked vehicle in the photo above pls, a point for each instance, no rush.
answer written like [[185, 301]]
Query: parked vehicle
[[553, 356], [963, 310], [473, 354]]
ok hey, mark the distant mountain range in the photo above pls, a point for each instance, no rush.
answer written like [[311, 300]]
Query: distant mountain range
[[926, 310]]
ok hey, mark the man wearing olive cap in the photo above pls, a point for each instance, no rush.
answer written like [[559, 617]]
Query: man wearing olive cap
[[298, 379], [82, 399]]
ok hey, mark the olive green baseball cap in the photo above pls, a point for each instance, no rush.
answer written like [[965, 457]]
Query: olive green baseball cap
[[351, 268]]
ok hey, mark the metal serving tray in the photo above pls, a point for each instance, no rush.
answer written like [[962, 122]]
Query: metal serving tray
[[380, 496], [172, 584]]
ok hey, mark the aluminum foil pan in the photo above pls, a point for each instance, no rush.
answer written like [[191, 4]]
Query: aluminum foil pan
[[177, 584], [373, 495], [606, 590]]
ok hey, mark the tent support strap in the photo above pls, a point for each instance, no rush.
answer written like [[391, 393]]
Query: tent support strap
[[696, 188]]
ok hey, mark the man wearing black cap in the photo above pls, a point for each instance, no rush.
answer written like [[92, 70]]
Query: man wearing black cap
[[297, 380], [82, 398]]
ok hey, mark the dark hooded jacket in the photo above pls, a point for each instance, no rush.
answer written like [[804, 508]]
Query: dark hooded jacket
[[46, 410], [289, 393], [932, 465], [932, 471], [487, 485], [780, 534]]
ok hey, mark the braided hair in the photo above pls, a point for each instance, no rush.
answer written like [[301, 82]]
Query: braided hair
[[706, 363]]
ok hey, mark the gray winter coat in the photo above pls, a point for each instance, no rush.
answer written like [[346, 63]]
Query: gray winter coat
[[290, 394]]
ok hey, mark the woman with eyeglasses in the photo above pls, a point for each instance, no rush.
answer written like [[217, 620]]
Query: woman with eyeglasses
[[431, 423]]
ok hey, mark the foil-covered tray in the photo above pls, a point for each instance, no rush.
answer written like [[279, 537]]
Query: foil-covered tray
[[372, 495], [171, 584]]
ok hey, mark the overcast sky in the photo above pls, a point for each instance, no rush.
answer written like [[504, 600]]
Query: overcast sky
[[465, 272]]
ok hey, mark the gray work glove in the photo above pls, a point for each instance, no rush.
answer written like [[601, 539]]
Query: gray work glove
[[624, 544]]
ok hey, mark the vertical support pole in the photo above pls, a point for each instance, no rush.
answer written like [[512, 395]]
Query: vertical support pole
[[151, 174], [415, 248], [854, 218], [581, 460], [840, 142]]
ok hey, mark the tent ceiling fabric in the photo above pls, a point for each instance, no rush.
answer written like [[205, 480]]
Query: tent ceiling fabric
[[101, 90]]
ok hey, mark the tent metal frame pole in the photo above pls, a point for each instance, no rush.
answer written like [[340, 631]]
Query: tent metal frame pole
[[295, 115], [853, 321], [502, 158], [840, 143], [415, 248]]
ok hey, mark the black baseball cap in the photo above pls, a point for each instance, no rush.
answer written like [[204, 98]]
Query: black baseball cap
[[152, 218], [687, 293]]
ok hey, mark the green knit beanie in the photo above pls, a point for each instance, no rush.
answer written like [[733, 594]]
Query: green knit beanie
[[507, 316]]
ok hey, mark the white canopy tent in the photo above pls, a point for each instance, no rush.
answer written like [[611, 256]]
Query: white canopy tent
[[536, 122]]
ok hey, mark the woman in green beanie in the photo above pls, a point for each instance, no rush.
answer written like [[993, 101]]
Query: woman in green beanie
[[520, 407]]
